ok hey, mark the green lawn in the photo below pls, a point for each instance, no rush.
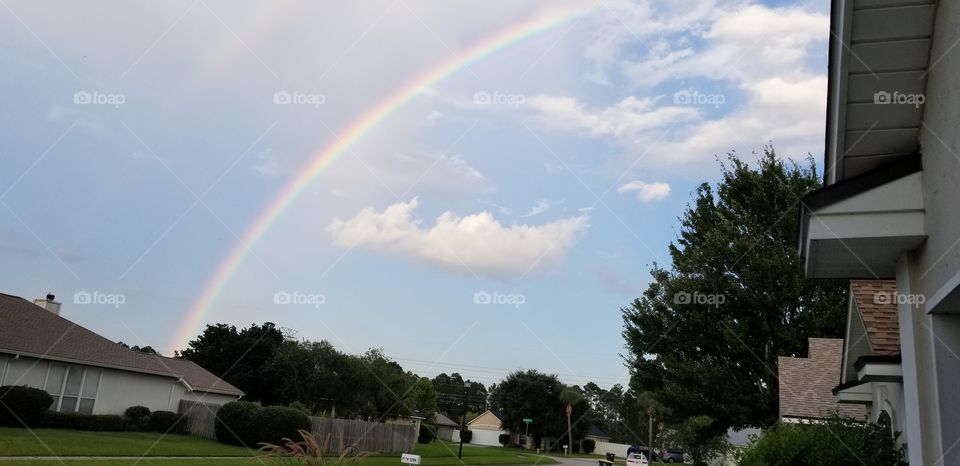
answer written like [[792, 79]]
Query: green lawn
[[57, 442]]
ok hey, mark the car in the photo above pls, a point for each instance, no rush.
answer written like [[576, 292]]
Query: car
[[644, 450], [637, 459], [672, 455]]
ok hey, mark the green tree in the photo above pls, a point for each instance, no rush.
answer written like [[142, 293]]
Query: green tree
[[453, 391], [240, 357], [697, 439], [533, 394], [421, 396], [703, 339]]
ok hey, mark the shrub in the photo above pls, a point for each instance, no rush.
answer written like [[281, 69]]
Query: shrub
[[426, 434], [22, 405], [236, 423], [466, 435], [81, 421], [575, 447], [588, 445], [300, 406], [312, 451], [836, 441], [504, 439], [165, 422], [275, 423], [137, 418]]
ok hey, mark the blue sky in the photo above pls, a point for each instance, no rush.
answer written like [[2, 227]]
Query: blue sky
[[553, 198]]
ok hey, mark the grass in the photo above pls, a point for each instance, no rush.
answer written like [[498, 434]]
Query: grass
[[58, 442]]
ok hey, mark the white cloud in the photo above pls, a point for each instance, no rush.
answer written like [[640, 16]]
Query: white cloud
[[647, 192], [475, 243], [269, 165], [625, 119], [540, 207]]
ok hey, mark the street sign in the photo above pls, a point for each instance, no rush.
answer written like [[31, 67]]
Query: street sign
[[407, 458], [527, 420]]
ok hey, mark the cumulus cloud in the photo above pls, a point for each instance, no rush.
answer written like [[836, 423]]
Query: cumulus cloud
[[477, 243], [629, 117], [748, 74], [647, 192]]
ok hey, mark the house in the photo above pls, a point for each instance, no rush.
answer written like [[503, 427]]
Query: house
[[806, 384], [445, 428], [487, 428], [888, 208], [871, 374], [738, 440], [87, 373], [597, 435]]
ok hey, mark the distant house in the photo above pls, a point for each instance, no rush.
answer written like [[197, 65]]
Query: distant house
[[87, 373], [806, 384], [445, 428], [487, 428], [597, 435], [871, 374]]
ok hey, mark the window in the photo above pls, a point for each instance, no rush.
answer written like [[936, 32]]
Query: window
[[73, 388]]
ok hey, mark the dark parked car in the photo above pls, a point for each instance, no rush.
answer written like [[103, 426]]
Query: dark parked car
[[672, 455], [644, 450]]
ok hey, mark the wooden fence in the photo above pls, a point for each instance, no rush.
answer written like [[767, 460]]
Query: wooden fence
[[365, 436], [198, 419]]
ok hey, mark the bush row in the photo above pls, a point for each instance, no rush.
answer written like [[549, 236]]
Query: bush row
[[248, 424], [24, 406]]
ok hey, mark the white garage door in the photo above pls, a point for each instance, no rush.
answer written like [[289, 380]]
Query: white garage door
[[487, 437]]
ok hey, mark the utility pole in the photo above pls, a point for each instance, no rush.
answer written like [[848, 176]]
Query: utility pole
[[463, 420]]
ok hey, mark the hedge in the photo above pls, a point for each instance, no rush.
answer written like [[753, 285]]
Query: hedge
[[137, 418], [504, 439], [835, 441], [589, 445], [466, 435], [165, 422], [248, 424], [21, 405], [426, 434], [274, 423], [236, 423], [81, 421]]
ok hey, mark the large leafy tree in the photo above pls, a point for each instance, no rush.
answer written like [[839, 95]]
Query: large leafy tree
[[703, 339], [240, 357], [456, 396], [533, 394]]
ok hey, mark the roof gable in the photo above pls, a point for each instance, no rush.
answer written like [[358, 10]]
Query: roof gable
[[876, 303], [806, 384]]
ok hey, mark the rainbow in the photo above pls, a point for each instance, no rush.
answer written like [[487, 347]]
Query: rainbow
[[350, 135]]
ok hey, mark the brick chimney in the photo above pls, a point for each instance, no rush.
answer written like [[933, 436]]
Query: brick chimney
[[48, 303]]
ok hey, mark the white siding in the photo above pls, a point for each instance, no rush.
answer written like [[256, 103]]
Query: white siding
[[214, 398], [120, 390]]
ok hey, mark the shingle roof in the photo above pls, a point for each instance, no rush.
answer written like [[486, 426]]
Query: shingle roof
[[806, 384], [878, 309], [442, 420], [30, 330]]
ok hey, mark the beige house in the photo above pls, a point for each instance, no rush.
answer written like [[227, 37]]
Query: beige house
[[487, 428], [806, 384], [87, 373]]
